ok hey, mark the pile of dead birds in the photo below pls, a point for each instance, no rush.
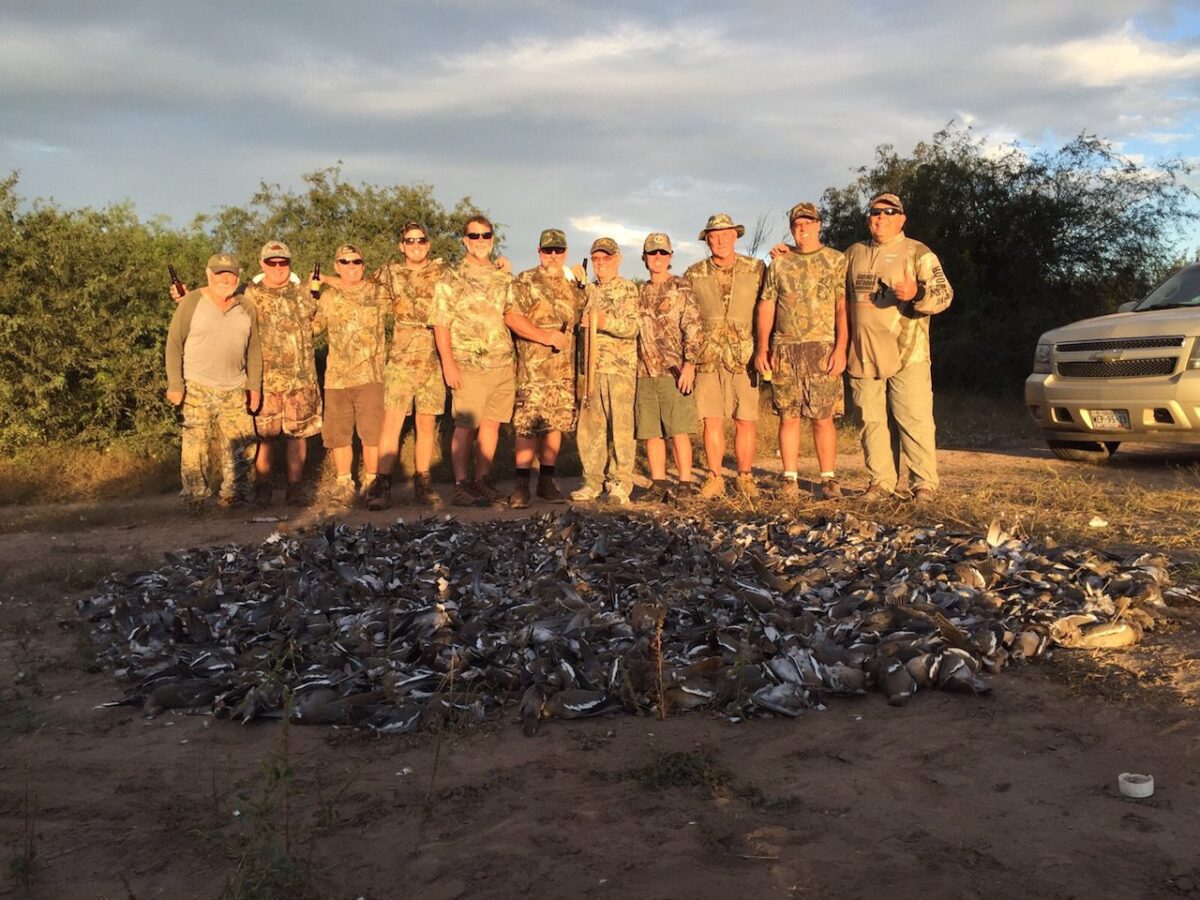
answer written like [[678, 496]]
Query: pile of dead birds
[[578, 614]]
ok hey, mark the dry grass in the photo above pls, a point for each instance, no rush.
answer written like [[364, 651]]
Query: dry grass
[[67, 474]]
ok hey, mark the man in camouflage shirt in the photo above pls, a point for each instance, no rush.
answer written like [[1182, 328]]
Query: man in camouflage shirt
[[803, 314], [291, 403], [353, 315], [412, 381], [476, 351], [669, 342], [546, 304], [605, 434], [894, 285], [727, 286]]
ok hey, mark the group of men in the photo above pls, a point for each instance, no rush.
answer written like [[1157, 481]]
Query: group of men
[[550, 352]]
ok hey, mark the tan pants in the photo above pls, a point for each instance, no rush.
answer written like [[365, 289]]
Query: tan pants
[[909, 395]]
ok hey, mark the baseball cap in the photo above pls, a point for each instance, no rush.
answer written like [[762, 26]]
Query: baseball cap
[[804, 211], [886, 200], [553, 238], [347, 249], [275, 250], [719, 222], [224, 262], [605, 245], [656, 240]]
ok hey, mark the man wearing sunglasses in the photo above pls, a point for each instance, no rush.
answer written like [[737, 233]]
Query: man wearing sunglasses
[[546, 304], [353, 314], [412, 381], [669, 342], [894, 284], [801, 341], [476, 352], [727, 286], [291, 404]]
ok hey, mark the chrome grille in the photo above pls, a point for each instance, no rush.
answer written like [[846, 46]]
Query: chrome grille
[[1120, 344], [1121, 368]]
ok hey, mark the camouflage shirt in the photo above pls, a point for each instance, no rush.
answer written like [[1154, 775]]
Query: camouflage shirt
[[354, 318], [805, 288], [549, 301], [616, 342], [726, 298], [410, 295], [285, 328], [471, 301], [668, 327], [887, 334]]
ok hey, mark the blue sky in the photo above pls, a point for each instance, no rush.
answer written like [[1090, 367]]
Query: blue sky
[[616, 119]]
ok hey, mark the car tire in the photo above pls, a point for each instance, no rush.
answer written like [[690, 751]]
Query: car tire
[[1083, 451]]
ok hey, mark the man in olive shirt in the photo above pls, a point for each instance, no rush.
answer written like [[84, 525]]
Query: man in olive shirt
[[801, 341], [894, 285], [476, 351], [545, 310], [727, 286], [214, 371]]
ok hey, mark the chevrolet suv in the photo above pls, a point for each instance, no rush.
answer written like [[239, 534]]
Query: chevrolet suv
[[1130, 376]]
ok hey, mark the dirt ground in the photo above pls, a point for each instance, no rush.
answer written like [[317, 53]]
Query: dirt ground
[[1008, 795]]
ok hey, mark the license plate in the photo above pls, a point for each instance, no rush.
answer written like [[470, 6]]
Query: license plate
[[1110, 419]]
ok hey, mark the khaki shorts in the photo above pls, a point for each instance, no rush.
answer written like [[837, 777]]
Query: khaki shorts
[[661, 411], [294, 414], [347, 409], [726, 395], [799, 385], [485, 394], [407, 389]]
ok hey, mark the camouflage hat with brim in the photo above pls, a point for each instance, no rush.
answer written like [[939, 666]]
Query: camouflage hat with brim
[[224, 262], [886, 200], [656, 240], [720, 222], [804, 211], [275, 250], [347, 250], [605, 245], [552, 238]]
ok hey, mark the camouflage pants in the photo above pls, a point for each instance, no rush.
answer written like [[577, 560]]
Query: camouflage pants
[[605, 433], [208, 414]]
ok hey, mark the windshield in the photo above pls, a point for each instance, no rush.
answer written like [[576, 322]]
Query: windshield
[[1181, 289]]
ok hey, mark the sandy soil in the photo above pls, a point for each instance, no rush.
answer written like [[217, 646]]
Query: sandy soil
[[1011, 795]]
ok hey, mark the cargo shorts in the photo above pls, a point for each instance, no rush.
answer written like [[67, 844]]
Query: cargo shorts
[[485, 394], [294, 414], [407, 388], [661, 411], [726, 395], [800, 387]]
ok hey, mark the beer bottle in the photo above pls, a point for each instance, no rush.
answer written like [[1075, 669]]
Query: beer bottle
[[314, 283], [176, 284]]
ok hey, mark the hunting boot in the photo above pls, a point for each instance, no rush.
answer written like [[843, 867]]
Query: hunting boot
[[519, 498], [487, 490], [295, 495], [423, 492], [262, 493], [789, 489], [379, 494], [746, 486], [547, 489], [830, 489], [466, 494], [714, 486]]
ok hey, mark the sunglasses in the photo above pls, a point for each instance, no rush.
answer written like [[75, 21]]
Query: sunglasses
[[420, 240], [276, 263], [350, 262], [553, 251], [658, 252], [479, 235], [882, 211]]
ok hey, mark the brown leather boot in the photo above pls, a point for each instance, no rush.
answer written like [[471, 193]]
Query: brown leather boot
[[547, 490], [423, 492]]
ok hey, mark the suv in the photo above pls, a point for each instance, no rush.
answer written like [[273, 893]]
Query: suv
[[1130, 376]]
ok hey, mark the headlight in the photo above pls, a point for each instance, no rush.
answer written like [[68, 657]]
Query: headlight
[[1041, 358], [1194, 357]]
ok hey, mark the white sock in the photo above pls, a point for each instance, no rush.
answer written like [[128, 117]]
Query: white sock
[[792, 476], [828, 475]]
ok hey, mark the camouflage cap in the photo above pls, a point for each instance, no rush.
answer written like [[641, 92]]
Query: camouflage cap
[[224, 262], [803, 211], [275, 250], [605, 245], [886, 200], [720, 222], [656, 240], [347, 250], [552, 237]]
